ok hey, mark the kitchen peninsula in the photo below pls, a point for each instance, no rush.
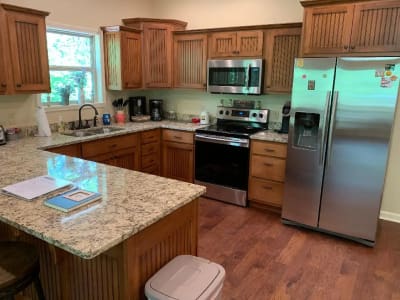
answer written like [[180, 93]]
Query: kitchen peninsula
[[108, 249]]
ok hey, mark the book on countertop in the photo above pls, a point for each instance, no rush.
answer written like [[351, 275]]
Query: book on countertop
[[72, 199], [35, 187]]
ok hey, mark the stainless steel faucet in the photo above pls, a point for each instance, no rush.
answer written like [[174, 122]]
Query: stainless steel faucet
[[80, 117]]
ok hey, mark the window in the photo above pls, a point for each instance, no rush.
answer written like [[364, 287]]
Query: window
[[73, 68]]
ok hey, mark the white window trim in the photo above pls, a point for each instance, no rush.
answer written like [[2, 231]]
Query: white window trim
[[99, 58]]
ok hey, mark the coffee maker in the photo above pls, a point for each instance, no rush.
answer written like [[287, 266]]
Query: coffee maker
[[137, 106], [285, 118], [155, 107]]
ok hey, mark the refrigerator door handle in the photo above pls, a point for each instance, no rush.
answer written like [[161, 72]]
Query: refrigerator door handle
[[323, 138], [331, 126]]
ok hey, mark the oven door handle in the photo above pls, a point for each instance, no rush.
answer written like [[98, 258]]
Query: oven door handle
[[237, 142]]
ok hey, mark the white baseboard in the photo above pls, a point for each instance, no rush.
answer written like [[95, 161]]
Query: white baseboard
[[389, 216]]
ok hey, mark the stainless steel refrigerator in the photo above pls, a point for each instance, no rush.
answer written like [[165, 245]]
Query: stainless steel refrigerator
[[341, 118]]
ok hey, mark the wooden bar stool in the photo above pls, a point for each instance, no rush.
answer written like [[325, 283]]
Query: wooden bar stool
[[19, 267]]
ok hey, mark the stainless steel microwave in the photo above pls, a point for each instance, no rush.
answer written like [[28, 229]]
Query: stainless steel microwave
[[235, 76]]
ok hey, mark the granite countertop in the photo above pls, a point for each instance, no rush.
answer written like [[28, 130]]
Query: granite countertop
[[131, 200], [271, 136]]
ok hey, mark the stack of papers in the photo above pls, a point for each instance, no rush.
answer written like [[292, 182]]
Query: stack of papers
[[36, 187]]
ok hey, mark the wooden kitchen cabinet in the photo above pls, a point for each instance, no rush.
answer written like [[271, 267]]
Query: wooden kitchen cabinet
[[23, 56], [121, 151], [150, 146], [190, 61], [267, 172], [157, 49], [351, 28], [246, 43], [282, 46], [123, 57], [73, 150], [178, 155]]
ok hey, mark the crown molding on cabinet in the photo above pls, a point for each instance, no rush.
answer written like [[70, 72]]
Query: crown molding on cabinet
[[307, 3], [31, 11]]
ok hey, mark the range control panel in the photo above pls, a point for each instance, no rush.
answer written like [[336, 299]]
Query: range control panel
[[242, 114]]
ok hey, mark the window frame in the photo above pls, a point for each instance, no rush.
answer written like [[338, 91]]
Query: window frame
[[96, 66]]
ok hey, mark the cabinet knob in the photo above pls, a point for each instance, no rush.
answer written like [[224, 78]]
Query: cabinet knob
[[352, 47], [3, 85], [346, 47], [19, 85]]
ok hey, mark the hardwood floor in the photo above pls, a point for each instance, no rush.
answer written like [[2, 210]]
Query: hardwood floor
[[265, 259]]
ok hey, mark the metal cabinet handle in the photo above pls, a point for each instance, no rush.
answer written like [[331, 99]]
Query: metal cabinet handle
[[113, 145], [266, 187], [346, 47], [352, 47], [268, 164], [3, 85], [269, 150], [177, 137], [19, 85]]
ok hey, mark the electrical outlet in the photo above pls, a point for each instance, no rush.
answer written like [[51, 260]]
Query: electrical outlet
[[274, 115]]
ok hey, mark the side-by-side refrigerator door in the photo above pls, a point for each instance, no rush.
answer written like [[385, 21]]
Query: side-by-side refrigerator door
[[310, 109], [362, 115]]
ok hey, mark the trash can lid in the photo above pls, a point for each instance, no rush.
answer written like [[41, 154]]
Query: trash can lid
[[184, 277]]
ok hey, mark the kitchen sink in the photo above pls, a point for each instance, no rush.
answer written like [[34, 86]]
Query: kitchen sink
[[91, 131]]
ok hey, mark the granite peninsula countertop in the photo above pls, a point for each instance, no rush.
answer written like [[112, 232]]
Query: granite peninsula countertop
[[131, 200]]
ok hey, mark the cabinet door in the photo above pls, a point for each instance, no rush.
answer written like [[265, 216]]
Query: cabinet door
[[177, 162], [157, 39], [112, 60], [376, 27], [266, 192], [3, 54], [127, 159], [249, 43], [131, 60], [190, 61], [28, 48], [70, 150], [282, 47], [327, 29], [222, 44]]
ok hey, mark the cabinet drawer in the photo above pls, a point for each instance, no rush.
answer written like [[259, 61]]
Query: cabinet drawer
[[108, 145], [266, 192], [269, 148], [178, 136], [149, 160], [268, 167], [70, 150], [150, 148], [150, 136]]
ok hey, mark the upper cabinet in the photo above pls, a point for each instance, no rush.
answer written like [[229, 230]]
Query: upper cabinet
[[236, 43], [123, 57], [351, 28], [157, 49], [23, 58], [282, 47], [190, 60]]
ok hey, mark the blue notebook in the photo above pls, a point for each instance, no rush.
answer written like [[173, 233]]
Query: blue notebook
[[72, 199]]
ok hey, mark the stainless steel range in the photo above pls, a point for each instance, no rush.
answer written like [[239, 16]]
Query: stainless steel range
[[222, 153]]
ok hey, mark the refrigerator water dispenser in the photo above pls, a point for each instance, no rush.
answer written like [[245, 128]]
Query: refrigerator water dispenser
[[306, 127]]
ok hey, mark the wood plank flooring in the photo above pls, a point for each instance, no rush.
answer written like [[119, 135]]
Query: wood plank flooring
[[265, 259]]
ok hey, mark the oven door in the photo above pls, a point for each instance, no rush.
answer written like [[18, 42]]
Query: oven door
[[222, 165]]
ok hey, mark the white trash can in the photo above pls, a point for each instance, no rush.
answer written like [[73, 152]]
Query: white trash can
[[186, 277]]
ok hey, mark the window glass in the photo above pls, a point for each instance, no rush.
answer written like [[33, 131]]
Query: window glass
[[72, 63]]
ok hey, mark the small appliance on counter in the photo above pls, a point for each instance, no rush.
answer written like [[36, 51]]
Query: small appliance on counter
[[137, 106], [204, 118], [156, 111], [285, 118], [2, 136]]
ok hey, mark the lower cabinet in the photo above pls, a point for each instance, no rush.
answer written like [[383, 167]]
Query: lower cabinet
[[177, 155], [150, 151], [73, 150], [120, 151], [267, 172]]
